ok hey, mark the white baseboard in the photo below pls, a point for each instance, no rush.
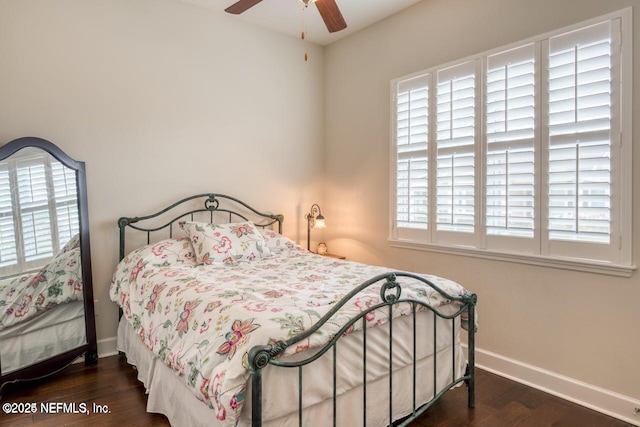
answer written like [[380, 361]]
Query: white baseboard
[[107, 347], [593, 397]]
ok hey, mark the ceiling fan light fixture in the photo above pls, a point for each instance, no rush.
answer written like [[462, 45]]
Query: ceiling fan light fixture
[[328, 10]]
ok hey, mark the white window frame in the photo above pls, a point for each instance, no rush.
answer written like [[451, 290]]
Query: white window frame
[[22, 266], [508, 248]]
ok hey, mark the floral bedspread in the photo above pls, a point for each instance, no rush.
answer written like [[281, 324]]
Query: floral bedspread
[[27, 296], [201, 320]]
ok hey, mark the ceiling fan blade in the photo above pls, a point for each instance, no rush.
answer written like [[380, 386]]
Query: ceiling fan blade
[[241, 6], [331, 15]]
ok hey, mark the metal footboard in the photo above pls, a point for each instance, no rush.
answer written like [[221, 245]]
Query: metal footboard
[[391, 294]]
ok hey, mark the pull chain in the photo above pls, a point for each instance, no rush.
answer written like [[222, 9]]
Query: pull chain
[[303, 34]]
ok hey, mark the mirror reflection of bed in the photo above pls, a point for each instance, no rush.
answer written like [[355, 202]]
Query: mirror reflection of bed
[[43, 312], [45, 270]]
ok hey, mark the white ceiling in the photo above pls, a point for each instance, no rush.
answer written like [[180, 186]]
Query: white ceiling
[[286, 16]]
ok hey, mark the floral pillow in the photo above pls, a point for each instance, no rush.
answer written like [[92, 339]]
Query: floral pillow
[[170, 251], [277, 242], [164, 253], [227, 243]]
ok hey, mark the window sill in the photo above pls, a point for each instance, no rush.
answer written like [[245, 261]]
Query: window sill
[[609, 269]]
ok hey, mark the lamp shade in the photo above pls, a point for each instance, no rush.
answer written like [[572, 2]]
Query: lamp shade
[[319, 223]]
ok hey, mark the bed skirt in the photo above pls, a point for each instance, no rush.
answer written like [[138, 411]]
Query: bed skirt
[[169, 395]]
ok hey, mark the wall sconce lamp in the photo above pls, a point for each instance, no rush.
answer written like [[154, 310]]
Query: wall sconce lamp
[[314, 220]]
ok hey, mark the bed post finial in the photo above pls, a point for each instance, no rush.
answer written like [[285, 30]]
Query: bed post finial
[[280, 219], [260, 356]]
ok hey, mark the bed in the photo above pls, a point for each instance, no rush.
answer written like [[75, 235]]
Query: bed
[[230, 323]]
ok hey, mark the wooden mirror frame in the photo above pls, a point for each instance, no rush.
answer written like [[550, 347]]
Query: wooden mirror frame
[[90, 349]]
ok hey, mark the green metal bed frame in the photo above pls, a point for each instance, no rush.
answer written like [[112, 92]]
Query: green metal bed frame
[[260, 357]]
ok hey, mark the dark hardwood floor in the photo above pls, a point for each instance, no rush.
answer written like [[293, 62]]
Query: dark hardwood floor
[[499, 402]]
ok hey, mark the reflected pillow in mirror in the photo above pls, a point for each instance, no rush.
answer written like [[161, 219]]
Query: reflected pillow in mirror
[[73, 243], [26, 296], [225, 243]]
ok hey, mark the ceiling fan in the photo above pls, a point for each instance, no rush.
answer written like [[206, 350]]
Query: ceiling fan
[[328, 9]]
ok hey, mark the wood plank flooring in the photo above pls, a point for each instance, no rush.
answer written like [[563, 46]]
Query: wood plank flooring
[[499, 402]]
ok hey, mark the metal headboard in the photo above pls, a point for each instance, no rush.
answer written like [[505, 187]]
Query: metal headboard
[[185, 208]]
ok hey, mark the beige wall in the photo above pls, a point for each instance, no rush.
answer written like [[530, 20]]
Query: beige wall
[[580, 325], [162, 99]]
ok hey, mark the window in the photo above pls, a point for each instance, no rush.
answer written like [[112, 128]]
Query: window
[[38, 211], [520, 152]]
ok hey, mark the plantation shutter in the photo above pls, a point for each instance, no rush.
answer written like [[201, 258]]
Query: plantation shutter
[[412, 138], [510, 142], [66, 202], [8, 253], [580, 137], [455, 144], [35, 217]]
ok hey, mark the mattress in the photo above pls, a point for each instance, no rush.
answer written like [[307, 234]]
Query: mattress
[[169, 395], [55, 331]]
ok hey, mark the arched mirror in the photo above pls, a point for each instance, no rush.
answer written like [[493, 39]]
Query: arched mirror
[[46, 298]]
